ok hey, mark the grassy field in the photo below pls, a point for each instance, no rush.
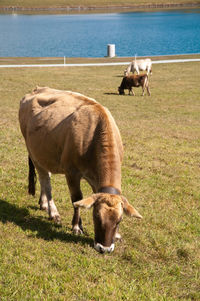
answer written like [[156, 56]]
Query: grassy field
[[81, 60], [89, 3], [158, 258]]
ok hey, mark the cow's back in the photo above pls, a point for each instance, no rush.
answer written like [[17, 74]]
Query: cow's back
[[59, 126]]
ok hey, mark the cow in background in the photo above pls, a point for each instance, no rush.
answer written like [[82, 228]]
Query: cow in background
[[130, 81], [139, 65]]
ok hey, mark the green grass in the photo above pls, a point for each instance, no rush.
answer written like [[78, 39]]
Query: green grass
[[86, 3], [159, 257], [81, 60]]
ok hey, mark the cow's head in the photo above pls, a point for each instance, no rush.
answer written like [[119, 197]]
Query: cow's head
[[121, 91], [107, 214]]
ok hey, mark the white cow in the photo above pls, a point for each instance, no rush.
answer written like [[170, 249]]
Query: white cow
[[139, 65]]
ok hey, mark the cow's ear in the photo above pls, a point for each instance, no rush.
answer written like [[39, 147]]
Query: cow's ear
[[85, 203], [129, 209]]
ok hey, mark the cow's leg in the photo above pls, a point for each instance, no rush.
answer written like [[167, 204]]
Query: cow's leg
[[148, 90], [46, 202], [73, 182], [145, 85], [131, 91], [143, 88]]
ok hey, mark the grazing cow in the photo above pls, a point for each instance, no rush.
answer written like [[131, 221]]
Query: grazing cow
[[134, 81], [68, 133], [139, 65]]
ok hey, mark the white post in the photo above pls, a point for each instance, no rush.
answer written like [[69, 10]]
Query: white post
[[111, 50]]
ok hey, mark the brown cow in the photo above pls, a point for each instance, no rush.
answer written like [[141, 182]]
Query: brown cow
[[134, 81], [71, 134]]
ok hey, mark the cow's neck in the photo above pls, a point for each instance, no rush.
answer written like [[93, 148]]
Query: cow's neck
[[107, 157], [109, 178]]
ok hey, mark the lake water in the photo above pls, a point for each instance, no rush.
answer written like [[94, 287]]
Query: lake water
[[141, 33]]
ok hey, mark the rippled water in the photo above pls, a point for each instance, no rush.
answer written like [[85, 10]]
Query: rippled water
[[141, 33]]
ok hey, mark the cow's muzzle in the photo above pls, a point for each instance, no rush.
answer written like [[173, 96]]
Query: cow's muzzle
[[101, 249]]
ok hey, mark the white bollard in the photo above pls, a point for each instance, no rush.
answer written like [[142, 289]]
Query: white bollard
[[111, 50]]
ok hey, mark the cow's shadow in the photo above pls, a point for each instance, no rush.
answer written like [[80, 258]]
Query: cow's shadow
[[111, 93], [40, 228]]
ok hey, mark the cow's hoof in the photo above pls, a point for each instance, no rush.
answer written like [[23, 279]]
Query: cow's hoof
[[77, 230], [44, 207], [56, 219]]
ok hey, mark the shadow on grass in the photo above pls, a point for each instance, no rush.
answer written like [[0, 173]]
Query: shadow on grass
[[44, 229], [111, 93]]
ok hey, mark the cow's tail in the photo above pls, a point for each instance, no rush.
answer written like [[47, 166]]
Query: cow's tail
[[31, 177]]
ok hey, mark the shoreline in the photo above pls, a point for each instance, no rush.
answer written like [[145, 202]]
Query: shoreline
[[98, 8]]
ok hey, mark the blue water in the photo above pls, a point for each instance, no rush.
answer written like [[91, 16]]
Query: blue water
[[141, 33]]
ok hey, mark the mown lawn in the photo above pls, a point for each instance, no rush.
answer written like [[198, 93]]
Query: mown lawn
[[158, 258]]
